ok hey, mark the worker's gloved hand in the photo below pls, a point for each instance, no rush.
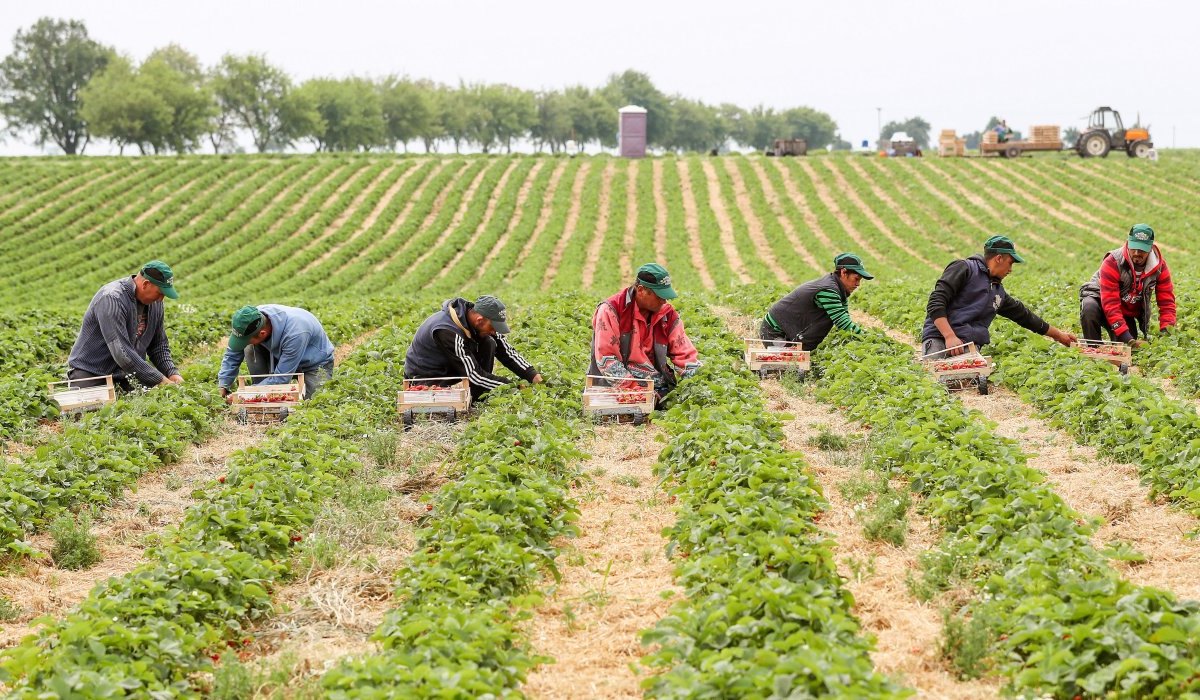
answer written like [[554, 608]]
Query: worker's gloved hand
[[1166, 330], [1138, 343]]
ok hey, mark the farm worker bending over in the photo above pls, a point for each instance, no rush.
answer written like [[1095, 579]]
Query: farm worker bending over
[[970, 293], [123, 326], [275, 339], [636, 333], [465, 339], [810, 311], [1118, 296]]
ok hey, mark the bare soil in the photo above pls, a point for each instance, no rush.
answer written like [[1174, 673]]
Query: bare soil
[[542, 222], [691, 221], [597, 243], [569, 225], [753, 224], [716, 203], [613, 574], [827, 199], [488, 214], [789, 229]]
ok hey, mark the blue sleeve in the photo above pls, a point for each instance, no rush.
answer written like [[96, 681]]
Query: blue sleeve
[[231, 362], [290, 355]]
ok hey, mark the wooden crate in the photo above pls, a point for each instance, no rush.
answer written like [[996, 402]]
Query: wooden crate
[[775, 355], [1045, 134], [941, 364], [605, 396], [444, 394], [262, 403], [1116, 353], [73, 398]]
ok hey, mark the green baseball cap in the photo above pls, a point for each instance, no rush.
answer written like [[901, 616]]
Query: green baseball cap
[[853, 263], [159, 273], [246, 322], [655, 277], [1002, 244], [1141, 237], [492, 309]]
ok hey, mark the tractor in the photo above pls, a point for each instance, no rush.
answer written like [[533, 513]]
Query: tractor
[[1106, 132]]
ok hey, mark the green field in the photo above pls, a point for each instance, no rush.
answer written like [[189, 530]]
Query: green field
[[860, 534]]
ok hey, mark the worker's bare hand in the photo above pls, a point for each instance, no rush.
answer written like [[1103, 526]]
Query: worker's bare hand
[[1060, 336], [229, 399], [954, 346], [175, 379], [537, 379]]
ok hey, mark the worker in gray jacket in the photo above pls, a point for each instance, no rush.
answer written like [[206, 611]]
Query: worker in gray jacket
[[122, 327]]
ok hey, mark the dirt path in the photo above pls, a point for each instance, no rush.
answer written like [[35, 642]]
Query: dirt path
[[488, 214], [631, 214], [850, 193], [827, 199], [370, 219], [907, 631], [998, 195], [785, 222], [801, 201], [515, 222], [122, 531], [716, 202], [438, 202], [343, 588], [660, 213], [400, 219], [691, 222], [460, 213], [1081, 213], [339, 222], [569, 225], [597, 242], [753, 224], [901, 212], [1096, 487], [1029, 204], [176, 196], [542, 222], [949, 201], [613, 574]]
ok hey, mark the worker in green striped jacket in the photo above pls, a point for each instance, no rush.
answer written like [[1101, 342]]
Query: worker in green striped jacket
[[810, 311]]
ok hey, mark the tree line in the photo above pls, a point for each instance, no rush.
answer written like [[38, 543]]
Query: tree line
[[64, 88]]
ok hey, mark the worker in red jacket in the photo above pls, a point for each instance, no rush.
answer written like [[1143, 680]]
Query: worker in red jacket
[[1118, 296], [636, 333]]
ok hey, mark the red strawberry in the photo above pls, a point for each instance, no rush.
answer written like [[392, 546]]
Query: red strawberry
[[220, 480]]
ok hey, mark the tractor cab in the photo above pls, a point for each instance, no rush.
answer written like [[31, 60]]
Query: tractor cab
[[1105, 131]]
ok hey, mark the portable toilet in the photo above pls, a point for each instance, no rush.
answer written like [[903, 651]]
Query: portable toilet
[[631, 131]]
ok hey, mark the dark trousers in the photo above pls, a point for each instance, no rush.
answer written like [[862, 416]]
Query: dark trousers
[[1093, 320], [79, 378], [767, 332]]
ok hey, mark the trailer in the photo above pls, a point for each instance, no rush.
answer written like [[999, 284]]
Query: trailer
[[787, 147], [1045, 137], [76, 396], [776, 357], [619, 400], [448, 398], [254, 402], [969, 369]]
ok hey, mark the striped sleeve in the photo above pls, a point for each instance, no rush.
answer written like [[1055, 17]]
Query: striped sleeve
[[512, 359], [474, 376], [834, 307]]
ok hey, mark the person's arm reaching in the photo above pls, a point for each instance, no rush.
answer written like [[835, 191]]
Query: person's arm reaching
[[1012, 309], [160, 351], [681, 350], [510, 358], [112, 319], [835, 308], [462, 363]]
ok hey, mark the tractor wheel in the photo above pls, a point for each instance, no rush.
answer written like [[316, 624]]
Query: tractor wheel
[[1094, 145], [1139, 149], [242, 417], [407, 419], [982, 384], [639, 418], [283, 414], [1012, 152]]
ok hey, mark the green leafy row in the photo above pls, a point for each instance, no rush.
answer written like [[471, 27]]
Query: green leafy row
[[766, 614]]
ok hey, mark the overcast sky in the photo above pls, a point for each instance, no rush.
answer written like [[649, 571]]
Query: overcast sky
[[953, 63]]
